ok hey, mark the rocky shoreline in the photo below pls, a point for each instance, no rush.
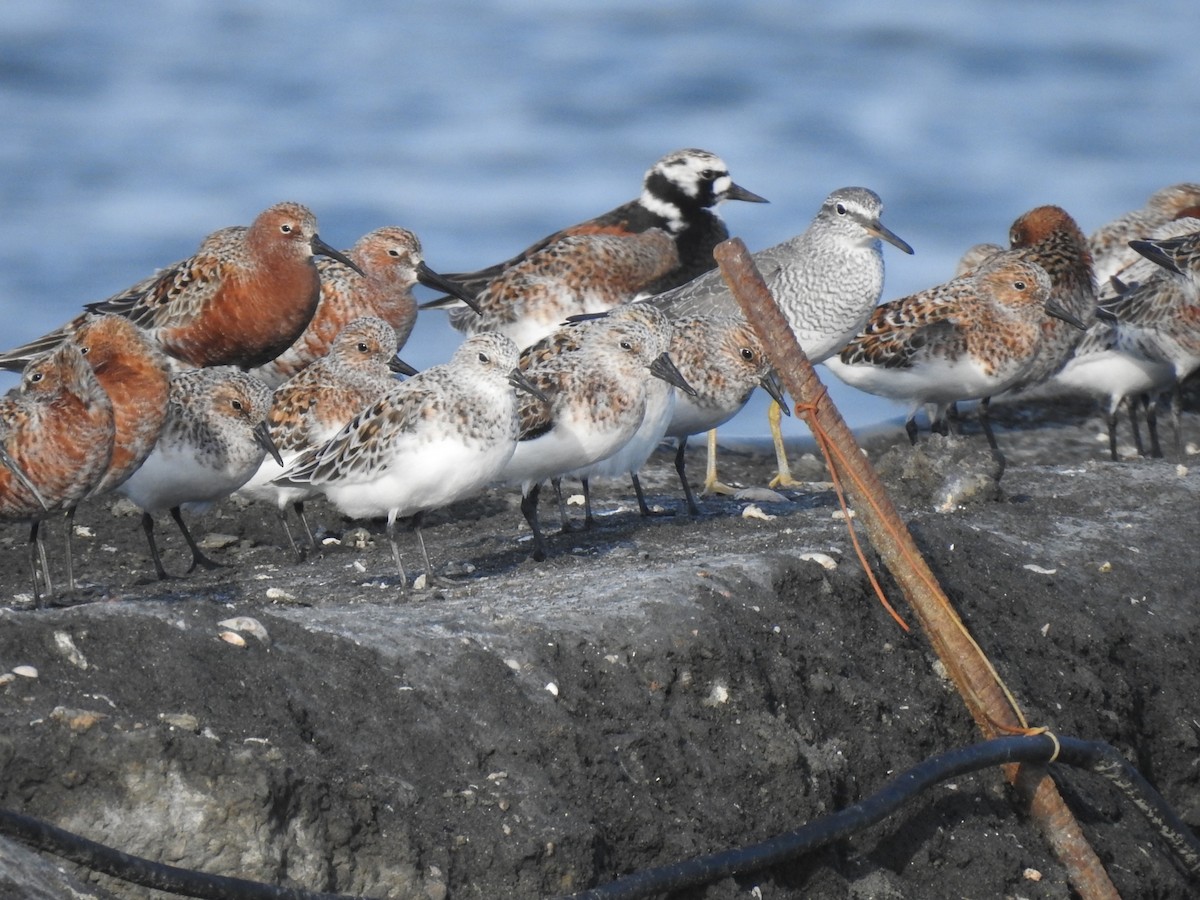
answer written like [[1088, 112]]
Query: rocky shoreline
[[657, 689]]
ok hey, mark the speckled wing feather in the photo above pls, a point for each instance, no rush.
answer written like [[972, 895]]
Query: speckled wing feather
[[896, 333], [358, 447], [536, 416], [297, 415], [171, 295], [1147, 303], [709, 294], [618, 221]]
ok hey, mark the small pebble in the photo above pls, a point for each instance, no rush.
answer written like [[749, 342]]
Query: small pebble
[[249, 625]]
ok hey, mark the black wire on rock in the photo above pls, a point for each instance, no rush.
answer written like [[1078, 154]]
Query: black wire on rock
[[135, 869], [1094, 756]]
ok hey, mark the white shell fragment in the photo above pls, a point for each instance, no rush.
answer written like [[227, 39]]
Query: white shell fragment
[[552, 688], [824, 559], [1038, 569], [754, 512], [66, 646], [232, 637], [25, 671], [246, 625]]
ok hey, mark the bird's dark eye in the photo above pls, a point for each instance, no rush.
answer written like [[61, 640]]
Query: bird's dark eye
[[841, 209], [1019, 285], [626, 345], [362, 347], [237, 404], [83, 351], [393, 252], [708, 174], [36, 377], [285, 228], [747, 354], [484, 358]]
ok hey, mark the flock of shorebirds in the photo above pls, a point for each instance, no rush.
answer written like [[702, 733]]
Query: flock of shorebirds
[[256, 367]]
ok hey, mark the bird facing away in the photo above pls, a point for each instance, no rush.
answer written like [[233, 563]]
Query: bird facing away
[[135, 374], [437, 438], [966, 339], [391, 263], [826, 280], [679, 195], [315, 404], [1049, 237], [56, 435], [214, 438], [581, 274], [241, 300]]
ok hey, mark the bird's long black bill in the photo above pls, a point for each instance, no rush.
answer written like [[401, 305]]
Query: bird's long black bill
[[262, 434], [737, 192], [320, 248], [774, 390], [400, 367], [884, 233], [664, 368], [518, 380], [432, 279], [1053, 309]]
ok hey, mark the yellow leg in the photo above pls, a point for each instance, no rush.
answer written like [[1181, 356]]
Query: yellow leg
[[712, 485], [784, 477]]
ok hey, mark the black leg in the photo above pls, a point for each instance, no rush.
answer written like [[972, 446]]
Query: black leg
[[287, 532], [529, 504], [198, 557], [681, 471], [70, 557], [985, 422], [37, 559], [391, 536], [564, 521], [588, 520], [1152, 425], [417, 521], [910, 428], [148, 528]]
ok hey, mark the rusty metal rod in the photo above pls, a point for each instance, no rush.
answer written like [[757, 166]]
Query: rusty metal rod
[[991, 705]]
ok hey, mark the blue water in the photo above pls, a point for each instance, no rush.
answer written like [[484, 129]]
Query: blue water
[[131, 131]]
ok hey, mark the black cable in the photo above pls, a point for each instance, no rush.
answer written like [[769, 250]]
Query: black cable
[[1095, 756], [173, 880]]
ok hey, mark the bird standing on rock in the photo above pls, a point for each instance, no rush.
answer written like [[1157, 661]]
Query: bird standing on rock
[[825, 280], [430, 441], [214, 438], [56, 442], [966, 339]]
